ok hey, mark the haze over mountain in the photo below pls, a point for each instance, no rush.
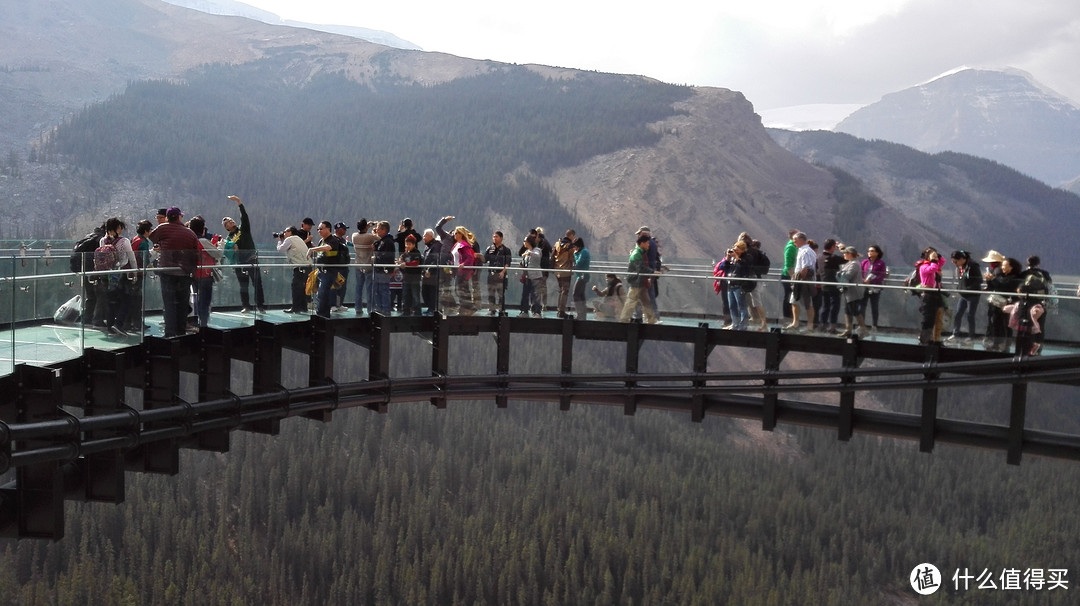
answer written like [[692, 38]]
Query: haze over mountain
[[239, 9], [1003, 115]]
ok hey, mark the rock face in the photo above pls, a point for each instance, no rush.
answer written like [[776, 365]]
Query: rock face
[[1001, 115], [714, 173]]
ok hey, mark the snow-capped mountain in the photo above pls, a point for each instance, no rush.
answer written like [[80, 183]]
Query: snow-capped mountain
[[239, 9], [1002, 115]]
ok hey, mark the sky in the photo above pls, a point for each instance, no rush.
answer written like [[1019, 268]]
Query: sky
[[779, 53]]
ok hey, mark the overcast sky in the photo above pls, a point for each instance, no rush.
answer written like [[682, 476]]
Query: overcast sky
[[777, 52]]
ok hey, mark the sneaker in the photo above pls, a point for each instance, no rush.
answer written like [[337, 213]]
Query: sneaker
[[245, 310], [117, 331], [262, 309]]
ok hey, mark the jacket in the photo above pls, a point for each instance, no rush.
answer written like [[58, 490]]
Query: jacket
[[637, 266]]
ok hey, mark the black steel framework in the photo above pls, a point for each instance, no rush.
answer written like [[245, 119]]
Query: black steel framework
[[56, 454]]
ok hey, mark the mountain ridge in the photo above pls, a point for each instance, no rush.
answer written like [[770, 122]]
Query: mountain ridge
[[1003, 115]]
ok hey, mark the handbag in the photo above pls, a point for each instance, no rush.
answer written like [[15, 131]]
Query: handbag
[[312, 285], [997, 300]]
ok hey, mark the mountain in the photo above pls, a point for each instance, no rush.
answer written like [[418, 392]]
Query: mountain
[[239, 9], [971, 203], [1003, 115], [710, 172]]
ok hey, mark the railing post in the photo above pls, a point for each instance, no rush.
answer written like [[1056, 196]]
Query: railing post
[[1017, 413], [161, 389], [701, 366], [567, 362], [103, 473], [266, 368], [379, 353], [633, 349], [35, 506], [846, 415], [502, 356], [774, 355], [928, 421]]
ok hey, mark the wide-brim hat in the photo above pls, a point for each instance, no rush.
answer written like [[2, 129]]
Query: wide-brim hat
[[994, 257]]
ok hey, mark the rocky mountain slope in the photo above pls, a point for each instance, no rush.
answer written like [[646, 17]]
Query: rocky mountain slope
[[1003, 115], [968, 202]]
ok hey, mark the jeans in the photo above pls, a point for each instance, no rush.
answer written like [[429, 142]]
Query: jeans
[[410, 297], [326, 295], [380, 295], [204, 293], [968, 304], [174, 303], [363, 288], [580, 284], [830, 306], [739, 313], [872, 300]]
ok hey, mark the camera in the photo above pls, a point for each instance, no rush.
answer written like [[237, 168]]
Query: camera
[[279, 235]]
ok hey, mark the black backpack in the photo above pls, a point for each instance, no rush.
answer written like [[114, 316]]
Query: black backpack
[[1035, 283], [761, 263], [81, 259]]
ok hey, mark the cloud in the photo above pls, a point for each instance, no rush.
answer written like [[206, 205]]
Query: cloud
[[920, 40], [778, 52]]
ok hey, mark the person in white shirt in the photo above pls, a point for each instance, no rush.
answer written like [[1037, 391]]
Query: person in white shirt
[[802, 293], [295, 248]]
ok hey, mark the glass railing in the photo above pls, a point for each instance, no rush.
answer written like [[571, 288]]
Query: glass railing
[[45, 315]]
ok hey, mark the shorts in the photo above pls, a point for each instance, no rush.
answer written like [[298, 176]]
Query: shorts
[[803, 294], [754, 298]]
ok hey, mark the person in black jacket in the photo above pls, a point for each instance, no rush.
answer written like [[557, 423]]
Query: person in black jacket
[[969, 278], [429, 285], [497, 258], [385, 253], [240, 250], [1002, 281], [331, 256]]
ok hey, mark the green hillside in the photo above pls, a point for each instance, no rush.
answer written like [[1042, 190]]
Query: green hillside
[[474, 505], [332, 148]]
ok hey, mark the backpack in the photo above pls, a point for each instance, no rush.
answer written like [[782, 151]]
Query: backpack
[[1035, 284], [718, 272], [913, 281], [762, 263], [106, 256], [81, 250]]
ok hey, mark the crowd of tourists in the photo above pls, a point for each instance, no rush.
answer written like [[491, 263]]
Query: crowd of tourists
[[820, 282], [446, 269]]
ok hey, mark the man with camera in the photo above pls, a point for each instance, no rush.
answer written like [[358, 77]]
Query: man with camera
[[404, 230]]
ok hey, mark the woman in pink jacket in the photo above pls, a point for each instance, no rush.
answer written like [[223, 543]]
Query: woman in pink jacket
[[932, 308]]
